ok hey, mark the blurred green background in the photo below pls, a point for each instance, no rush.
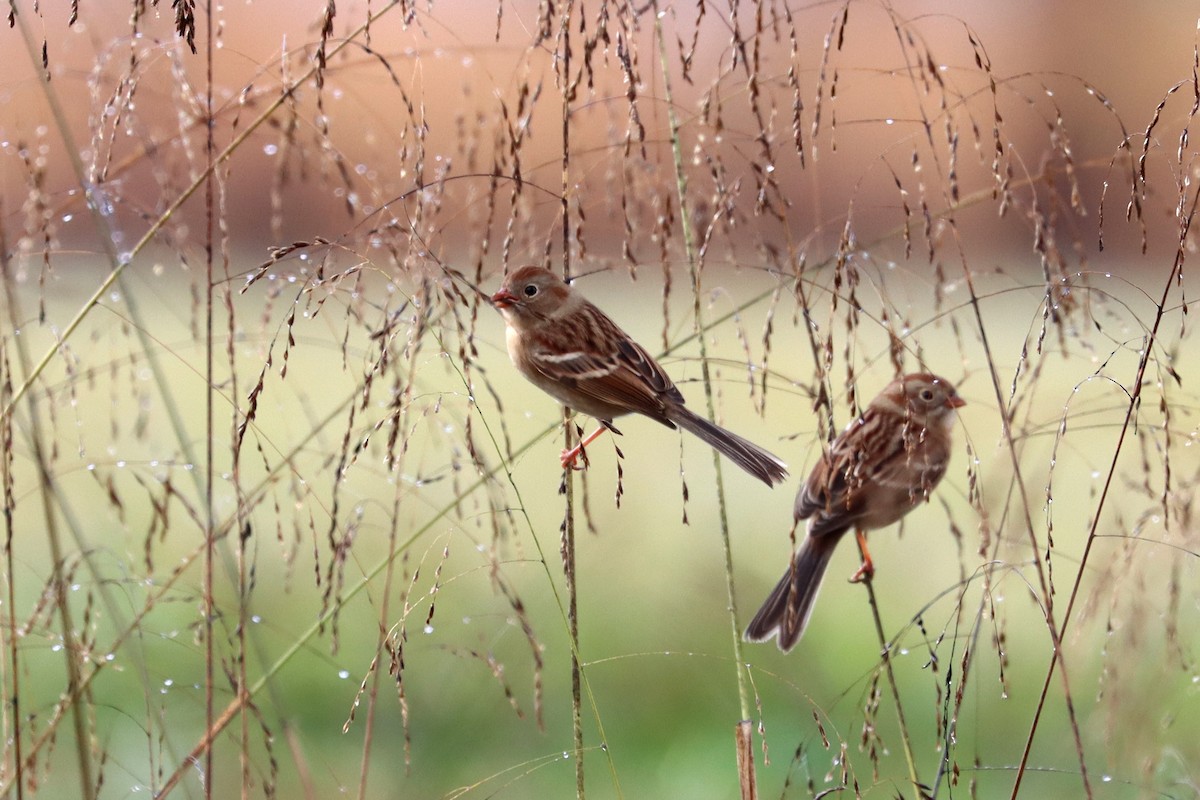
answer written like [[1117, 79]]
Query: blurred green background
[[954, 222]]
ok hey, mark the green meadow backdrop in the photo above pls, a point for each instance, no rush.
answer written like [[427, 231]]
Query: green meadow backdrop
[[282, 520]]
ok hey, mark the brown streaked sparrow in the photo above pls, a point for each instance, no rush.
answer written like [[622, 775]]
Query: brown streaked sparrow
[[877, 470], [572, 351]]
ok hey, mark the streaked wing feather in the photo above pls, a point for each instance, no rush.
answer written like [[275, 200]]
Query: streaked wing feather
[[627, 377], [575, 366], [903, 470], [829, 495], [635, 358]]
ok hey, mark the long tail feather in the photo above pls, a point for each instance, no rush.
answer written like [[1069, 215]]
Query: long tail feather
[[786, 611], [747, 455]]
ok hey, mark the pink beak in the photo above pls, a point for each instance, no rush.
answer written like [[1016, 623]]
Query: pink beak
[[504, 299], [953, 401]]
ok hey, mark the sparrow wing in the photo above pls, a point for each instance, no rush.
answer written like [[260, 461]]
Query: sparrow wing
[[604, 364], [866, 460], [827, 498], [832, 494]]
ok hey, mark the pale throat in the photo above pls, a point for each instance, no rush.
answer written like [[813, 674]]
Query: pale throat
[[512, 337]]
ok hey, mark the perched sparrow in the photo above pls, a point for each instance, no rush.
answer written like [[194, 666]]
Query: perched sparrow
[[880, 467], [569, 349]]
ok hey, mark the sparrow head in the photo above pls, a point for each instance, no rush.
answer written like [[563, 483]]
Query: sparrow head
[[531, 292], [929, 397], [922, 397]]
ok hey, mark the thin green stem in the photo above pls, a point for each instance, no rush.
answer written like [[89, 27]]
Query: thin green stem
[[568, 542], [562, 608], [71, 521], [1135, 397], [13, 712], [885, 654], [207, 603], [706, 375], [49, 730]]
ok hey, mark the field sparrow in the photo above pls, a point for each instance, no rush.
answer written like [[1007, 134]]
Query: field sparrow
[[880, 467], [572, 351]]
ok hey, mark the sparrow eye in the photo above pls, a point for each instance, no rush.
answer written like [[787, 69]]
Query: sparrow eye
[[927, 395], [531, 289]]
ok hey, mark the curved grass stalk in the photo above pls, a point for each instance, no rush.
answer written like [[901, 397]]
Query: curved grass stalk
[[743, 751]]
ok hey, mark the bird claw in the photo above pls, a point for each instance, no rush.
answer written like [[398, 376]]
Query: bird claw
[[865, 571], [568, 458]]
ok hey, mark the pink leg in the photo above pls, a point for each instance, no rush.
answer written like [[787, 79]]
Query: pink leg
[[568, 456], [866, 570]]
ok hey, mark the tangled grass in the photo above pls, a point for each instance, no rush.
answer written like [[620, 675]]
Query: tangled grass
[[288, 524]]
